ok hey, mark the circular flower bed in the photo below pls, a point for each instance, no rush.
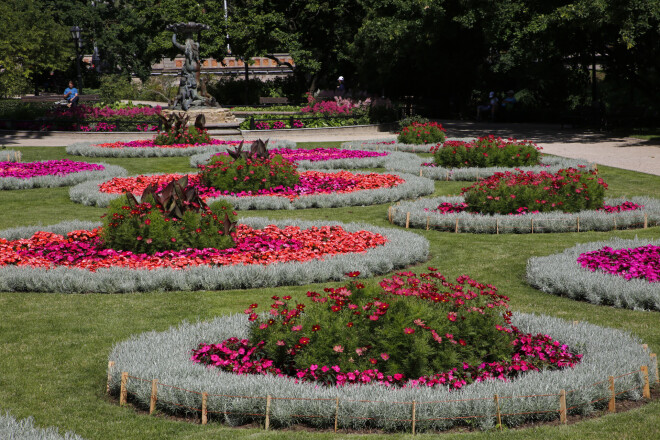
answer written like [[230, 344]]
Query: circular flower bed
[[316, 189], [166, 356], [52, 173], [321, 158], [147, 148], [619, 273], [68, 258]]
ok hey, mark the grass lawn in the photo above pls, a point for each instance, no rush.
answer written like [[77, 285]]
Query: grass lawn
[[54, 349]]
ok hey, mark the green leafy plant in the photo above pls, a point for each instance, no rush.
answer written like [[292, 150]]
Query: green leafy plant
[[487, 152], [177, 131], [174, 218], [422, 133]]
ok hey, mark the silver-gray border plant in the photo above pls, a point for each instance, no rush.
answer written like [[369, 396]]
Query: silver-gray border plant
[[166, 356], [392, 145], [402, 249], [420, 214], [24, 429], [7, 155], [560, 274], [89, 149], [88, 193], [109, 171]]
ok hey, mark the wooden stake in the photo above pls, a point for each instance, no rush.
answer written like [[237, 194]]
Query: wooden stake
[[654, 360], [420, 172], [532, 226], [578, 223], [447, 175], [497, 226], [611, 407], [647, 386], [154, 396], [646, 221], [575, 322], [267, 422], [123, 393], [427, 222], [562, 406], [205, 399], [336, 412], [111, 365], [414, 404], [456, 228], [407, 220], [497, 411], [645, 347], [389, 214]]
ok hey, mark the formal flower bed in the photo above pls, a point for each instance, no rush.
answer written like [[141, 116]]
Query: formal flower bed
[[441, 213], [242, 398], [316, 157], [67, 258], [486, 151], [316, 189], [411, 331], [52, 173], [619, 273], [148, 148], [422, 133]]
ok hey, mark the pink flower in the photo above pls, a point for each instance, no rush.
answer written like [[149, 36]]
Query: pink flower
[[409, 331], [338, 348]]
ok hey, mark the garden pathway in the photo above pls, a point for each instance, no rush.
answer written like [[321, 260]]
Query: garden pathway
[[626, 153]]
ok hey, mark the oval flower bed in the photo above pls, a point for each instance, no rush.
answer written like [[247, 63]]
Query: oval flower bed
[[67, 258], [147, 148], [619, 273], [320, 158], [52, 173], [241, 399], [316, 189]]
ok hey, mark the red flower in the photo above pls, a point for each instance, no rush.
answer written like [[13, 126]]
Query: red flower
[[303, 341]]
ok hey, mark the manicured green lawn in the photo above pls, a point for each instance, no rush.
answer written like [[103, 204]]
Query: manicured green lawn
[[55, 347]]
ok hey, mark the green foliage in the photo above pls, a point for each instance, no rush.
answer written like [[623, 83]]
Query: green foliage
[[16, 109], [409, 120], [249, 174], [116, 87], [172, 219], [487, 152], [426, 133], [232, 91], [568, 190], [424, 331], [185, 135]]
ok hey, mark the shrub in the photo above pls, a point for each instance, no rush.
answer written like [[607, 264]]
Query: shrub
[[487, 152], [568, 190], [188, 135], [249, 173], [174, 218], [409, 120], [427, 133]]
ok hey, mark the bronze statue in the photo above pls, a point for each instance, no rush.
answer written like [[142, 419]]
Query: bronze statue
[[188, 96]]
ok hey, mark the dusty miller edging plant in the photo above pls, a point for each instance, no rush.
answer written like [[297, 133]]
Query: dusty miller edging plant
[[522, 224], [402, 249], [89, 149], [560, 274], [88, 193], [166, 356], [345, 163], [373, 144], [550, 164], [9, 155], [24, 429], [109, 171]]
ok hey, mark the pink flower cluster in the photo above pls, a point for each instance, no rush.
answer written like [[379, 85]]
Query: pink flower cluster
[[338, 106], [311, 182], [84, 249], [149, 143], [320, 154], [532, 353], [28, 170], [630, 263], [85, 112]]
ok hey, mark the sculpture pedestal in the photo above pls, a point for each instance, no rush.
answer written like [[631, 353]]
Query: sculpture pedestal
[[213, 115]]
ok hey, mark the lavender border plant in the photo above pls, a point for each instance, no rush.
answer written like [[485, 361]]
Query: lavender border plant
[[89, 149], [109, 171], [166, 356], [423, 216], [560, 274], [87, 193], [402, 249]]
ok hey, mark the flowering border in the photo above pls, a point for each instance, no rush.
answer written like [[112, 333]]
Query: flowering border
[[166, 356], [108, 171], [419, 214], [377, 145], [26, 429], [87, 193], [333, 164], [89, 149], [560, 274], [402, 249]]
